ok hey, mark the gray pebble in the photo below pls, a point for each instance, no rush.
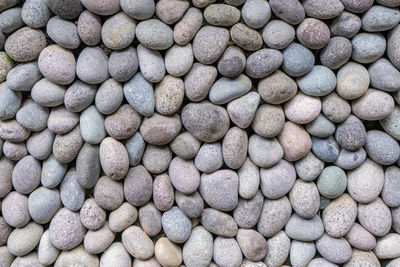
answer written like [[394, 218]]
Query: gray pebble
[[92, 65], [313, 33], [220, 189], [304, 198], [47, 252], [302, 109], [381, 147], [108, 194], [89, 28], [305, 230], [179, 59], [263, 62], [278, 249], [321, 127], [274, 215], [184, 175], [6, 168], [258, 147], [248, 211], [107, 7], [227, 252], [351, 134], [79, 96], [219, 223], [116, 254], [192, 205], [72, 193], [114, 158], [69, 9], [360, 238], [297, 60], [346, 24], [88, 165], [23, 76], [26, 175], [221, 15], [245, 37], [252, 244], [76, 256], [138, 186], [150, 219], [198, 81], [135, 147], [66, 230], [163, 192], [357, 6], [10, 102], [23, 240], [373, 105], [234, 147], [209, 158], [151, 64], [393, 52], [256, 13], [319, 81], [349, 160], [375, 217], [140, 95], [242, 110], [92, 125], [209, 44], [7, 4], [359, 257], [160, 130], [323, 9], [156, 159], [277, 181], [154, 34], [384, 76], [226, 89], [289, 11], [123, 123], [379, 18], [332, 182], [386, 247], [336, 250], [390, 187], [92, 216], [29, 259], [169, 94], [123, 64], [321, 262], [98, 241], [11, 20], [249, 179], [12, 131], [278, 34], [309, 167], [118, 31], [277, 88], [140, 10], [232, 62], [52, 172], [200, 240], [336, 53], [335, 108], [368, 47], [109, 96], [32, 116], [15, 209], [301, 253], [14, 151], [63, 32], [185, 145], [176, 225], [123, 217], [326, 149], [61, 120], [43, 203], [170, 11], [187, 27]]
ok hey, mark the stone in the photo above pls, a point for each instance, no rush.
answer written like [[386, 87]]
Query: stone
[[335, 108], [289, 11], [332, 182], [63, 32], [256, 13], [227, 252], [278, 34], [368, 47], [150, 219], [114, 158], [258, 146], [47, 252], [263, 62], [295, 141], [89, 28], [323, 10], [25, 44], [302, 109], [373, 105], [305, 230], [43, 203], [98, 241], [135, 147], [23, 76], [192, 205], [79, 96], [209, 44], [252, 244], [245, 37], [66, 147], [176, 225], [276, 181], [198, 81], [118, 31], [187, 27], [163, 10], [6, 168], [140, 95], [123, 123], [159, 129], [116, 255], [163, 192], [104, 8], [15, 209], [346, 25], [351, 134], [278, 249], [23, 240], [234, 148], [384, 75], [66, 9], [156, 159], [248, 211], [301, 253], [179, 59], [360, 238], [77, 256], [92, 65], [71, 192], [14, 151], [11, 20], [109, 97], [297, 60], [32, 116], [26, 175], [349, 160], [319, 82], [313, 33], [169, 94], [379, 18], [350, 87], [61, 120], [92, 126], [123, 64], [375, 217], [108, 194], [221, 15], [304, 198], [154, 34], [336, 250], [138, 186], [139, 10], [387, 246], [392, 51], [321, 127], [184, 175], [52, 172], [185, 146], [122, 217], [362, 257], [381, 147], [167, 253], [357, 6], [209, 158], [151, 64], [219, 223], [12, 131], [274, 215], [39, 145], [309, 167], [92, 216]]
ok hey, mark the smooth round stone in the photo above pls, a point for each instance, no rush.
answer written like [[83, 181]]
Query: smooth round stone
[[332, 182], [185, 146], [368, 47], [278, 249], [123, 217], [346, 25], [43, 203], [221, 15], [23, 240], [232, 62], [108, 194], [92, 65], [52, 172], [203, 3], [26, 175], [187, 27], [6, 168], [79, 96], [14, 151], [169, 94], [302, 108], [40, 144], [219, 223], [104, 7], [375, 217], [278, 34], [252, 244], [156, 159], [140, 10], [389, 191], [349, 160], [61, 120], [379, 18], [159, 129], [326, 149], [313, 33], [336, 53], [23, 76], [113, 158], [360, 238], [25, 44], [373, 105], [6, 64], [92, 125], [72, 193], [209, 44], [248, 211], [154, 34], [264, 152], [63, 32], [295, 141], [274, 215], [15, 209], [57, 64], [245, 37], [167, 253], [176, 225], [210, 126], [116, 255], [357, 6], [366, 181], [66, 230], [256, 13], [135, 147], [179, 59], [47, 253], [163, 192], [109, 97], [29, 259], [123, 123], [140, 95], [384, 76], [88, 165], [389, 3], [10, 102], [321, 262], [7, 4], [138, 186], [77, 256], [220, 189], [164, 7], [98, 241], [118, 31], [309, 167], [12, 131], [339, 216], [198, 81], [301, 253], [297, 60], [351, 134], [151, 64], [226, 89], [321, 127], [304, 198], [192, 205], [305, 230], [289, 11], [381, 147], [277, 88], [276, 181], [11, 20], [262, 63], [123, 64], [150, 219], [393, 52], [209, 158], [65, 9], [234, 147], [387, 247], [323, 9], [352, 81], [319, 82], [335, 108], [243, 109], [92, 215], [359, 257], [32, 116], [89, 28], [227, 252], [199, 240], [336, 250]]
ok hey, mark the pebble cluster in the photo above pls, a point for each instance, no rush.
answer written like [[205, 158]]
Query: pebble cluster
[[200, 133]]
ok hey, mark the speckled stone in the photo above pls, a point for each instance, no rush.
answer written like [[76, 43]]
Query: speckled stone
[[109, 97], [66, 9], [352, 80], [232, 62], [39, 144], [274, 215], [243, 109], [335, 108], [252, 244], [140, 95], [79, 96], [116, 254], [25, 44], [276, 181], [297, 60], [159, 129], [92, 65], [163, 192], [332, 182], [209, 44], [375, 217], [32, 116], [294, 134], [15, 209], [36, 13], [326, 149], [263, 62], [72, 193], [108, 193], [198, 81], [176, 225], [61, 120], [305, 230], [12, 131], [227, 252], [360, 238], [289, 11], [373, 105], [346, 25], [63, 32], [304, 198], [113, 158], [185, 145], [321, 127], [92, 215], [349, 160], [192, 205], [77, 256], [278, 249], [381, 147], [234, 147], [135, 147], [256, 13], [301, 253], [248, 211], [52, 172], [336, 250], [26, 175], [219, 223], [258, 146], [66, 147], [309, 167], [118, 31], [393, 51], [200, 240], [209, 158], [336, 53], [351, 134], [313, 33], [47, 252], [138, 186], [150, 219], [6, 168], [221, 15], [245, 37], [154, 34], [43, 203], [23, 240], [89, 28], [368, 47], [123, 217]]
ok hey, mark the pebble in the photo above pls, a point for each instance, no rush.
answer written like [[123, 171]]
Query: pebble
[[32, 116], [140, 95], [309, 167], [138, 186], [192, 205], [151, 64], [276, 181], [245, 37], [321, 261], [379, 18], [109, 97], [256, 13], [98, 241], [200, 240], [323, 10], [368, 47], [362, 257], [221, 15], [291, 11], [393, 52], [140, 10], [360, 238], [274, 215], [89, 28], [36, 13], [6, 65], [326, 149], [116, 255], [10, 102], [262, 63], [351, 134], [163, 192], [123, 123], [234, 147], [319, 82], [154, 34], [159, 129], [304, 198], [63, 32], [301, 253], [305, 230], [163, 10], [332, 182], [188, 26], [336, 53], [375, 217], [243, 109], [219, 223], [252, 244], [167, 253], [150, 219], [123, 64], [357, 6], [26, 175], [29, 259], [23, 76], [92, 215], [197, 89], [43, 203], [277, 88], [108, 193], [373, 105], [79, 96], [135, 147], [169, 94], [11, 20], [297, 60], [352, 81], [209, 158], [71, 192], [321, 127], [52, 172], [387, 247], [185, 146], [118, 31], [227, 252], [336, 250], [295, 141], [232, 62], [14, 151], [92, 65], [384, 75], [122, 217], [66, 147], [176, 225], [209, 44], [113, 158], [69, 9], [105, 8], [248, 211], [88, 165], [23, 240], [179, 59], [77, 256], [302, 108], [335, 108], [12, 131], [47, 252], [15, 209], [313, 33], [278, 249], [258, 146], [389, 191], [349, 160], [156, 159], [226, 89], [6, 168], [346, 25], [61, 120], [381, 147], [66, 231]]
